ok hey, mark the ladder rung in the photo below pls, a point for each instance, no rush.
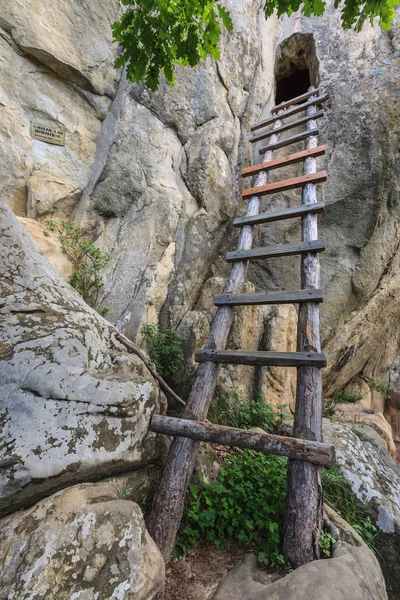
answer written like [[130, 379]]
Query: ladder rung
[[277, 163], [286, 184], [283, 250], [263, 359], [296, 100], [281, 297], [292, 111], [282, 128], [290, 140], [280, 215]]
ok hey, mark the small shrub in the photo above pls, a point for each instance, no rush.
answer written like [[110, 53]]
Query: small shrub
[[330, 404], [367, 530], [165, 348], [325, 542], [246, 415], [383, 387], [243, 506], [88, 260]]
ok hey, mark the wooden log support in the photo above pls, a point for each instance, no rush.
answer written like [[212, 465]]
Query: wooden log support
[[285, 127], [303, 513], [290, 140], [292, 297], [291, 111], [314, 452], [278, 163], [274, 251], [280, 215], [166, 512], [262, 359], [285, 184]]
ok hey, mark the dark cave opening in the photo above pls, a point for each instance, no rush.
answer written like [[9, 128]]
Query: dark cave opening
[[293, 85]]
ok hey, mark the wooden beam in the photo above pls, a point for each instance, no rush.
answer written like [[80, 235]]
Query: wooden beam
[[166, 512], [285, 184], [278, 163], [290, 140], [296, 100], [274, 251], [262, 359], [291, 111], [314, 452], [280, 215], [285, 127], [304, 501], [294, 297]]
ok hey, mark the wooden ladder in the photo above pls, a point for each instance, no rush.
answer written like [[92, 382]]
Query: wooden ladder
[[306, 452]]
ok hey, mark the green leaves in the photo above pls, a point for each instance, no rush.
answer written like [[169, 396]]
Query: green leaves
[[156, 35], [243, 506], [165, 348]]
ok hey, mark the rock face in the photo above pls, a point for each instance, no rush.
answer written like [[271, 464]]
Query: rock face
[[375, 480], [72, 406], [82, 543], [353, 571]]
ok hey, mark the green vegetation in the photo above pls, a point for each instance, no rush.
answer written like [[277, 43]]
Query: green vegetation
[[383, 387], [246, 415], [339, 496], [325, 542], [165, 348], [243, 506], [157, 35], [87, 259]]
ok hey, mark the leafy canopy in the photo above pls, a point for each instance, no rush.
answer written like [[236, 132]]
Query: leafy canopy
[[157, 35]]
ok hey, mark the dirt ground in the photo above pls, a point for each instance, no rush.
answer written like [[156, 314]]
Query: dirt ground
[[197, 575]]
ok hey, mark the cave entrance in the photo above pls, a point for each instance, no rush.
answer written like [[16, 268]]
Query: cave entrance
[[296, 67], [293, 85]]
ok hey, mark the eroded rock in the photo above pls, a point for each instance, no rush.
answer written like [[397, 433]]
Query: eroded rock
[[73, 407], [83, 543]]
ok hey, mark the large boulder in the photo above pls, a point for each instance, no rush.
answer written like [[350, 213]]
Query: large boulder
[[375, 480], [73, 406], [83, 543], [352, 573]]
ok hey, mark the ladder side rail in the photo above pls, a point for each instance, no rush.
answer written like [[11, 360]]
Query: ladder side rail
[[304, 504], [166, 512]]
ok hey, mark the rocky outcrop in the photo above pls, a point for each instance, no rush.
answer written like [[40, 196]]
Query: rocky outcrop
[[375, 480], [73, 407], [353, 569], [83, 543]]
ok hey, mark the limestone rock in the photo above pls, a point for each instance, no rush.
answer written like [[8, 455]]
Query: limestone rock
[[49, 246], [375, 480], [73, 38], [82, 543], [72, 406], [352, 573]]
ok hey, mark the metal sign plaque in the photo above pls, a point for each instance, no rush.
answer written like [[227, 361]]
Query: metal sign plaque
[[45, 133]]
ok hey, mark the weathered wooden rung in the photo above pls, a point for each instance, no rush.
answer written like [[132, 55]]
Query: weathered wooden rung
[[278, 163], [290, 140], [281, 215], [297, 100], [286, 127], [283, 250], [286, 184], [281, 297], [262, 359], [310, 451], [291, 112]]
